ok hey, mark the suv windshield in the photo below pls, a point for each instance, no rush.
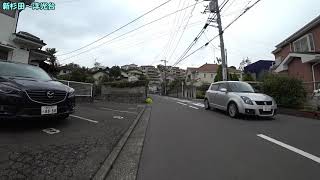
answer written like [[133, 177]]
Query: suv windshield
[[240, 87], [21, 70]]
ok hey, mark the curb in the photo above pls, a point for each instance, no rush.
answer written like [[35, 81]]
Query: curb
[[107, 164], [127, 163]]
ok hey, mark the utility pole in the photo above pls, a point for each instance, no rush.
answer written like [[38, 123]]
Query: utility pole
[[214, 8], [165, 76]]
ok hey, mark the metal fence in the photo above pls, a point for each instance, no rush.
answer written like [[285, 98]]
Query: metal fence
[[81, 89]]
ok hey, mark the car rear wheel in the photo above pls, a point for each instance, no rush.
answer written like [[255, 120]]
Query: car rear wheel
[[233, 110], [206, 104]]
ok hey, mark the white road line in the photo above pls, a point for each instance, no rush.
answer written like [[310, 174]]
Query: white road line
[[193, 107], [84, 119], [182, 103], [291, 148], [119, 110], [198, 104]]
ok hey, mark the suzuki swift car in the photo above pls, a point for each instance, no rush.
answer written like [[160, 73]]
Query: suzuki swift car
[[239, 98], [27, 91]]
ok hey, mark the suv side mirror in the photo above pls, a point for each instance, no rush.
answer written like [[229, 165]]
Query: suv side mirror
[[223, 90]]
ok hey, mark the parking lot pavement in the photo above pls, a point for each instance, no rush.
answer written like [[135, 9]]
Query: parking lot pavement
[[73, 149]]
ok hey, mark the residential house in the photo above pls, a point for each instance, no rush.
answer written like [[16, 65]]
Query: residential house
[[99, 75], [134, 75], [259, 69], [153, 74], [205, 74], [298, 56], [21, 47], [64, 70], [129, 66]]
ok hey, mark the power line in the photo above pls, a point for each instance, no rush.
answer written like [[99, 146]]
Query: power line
[[175, 23], [129, 32], [184, 29], [245, 11], [201, 32], [118, 29]]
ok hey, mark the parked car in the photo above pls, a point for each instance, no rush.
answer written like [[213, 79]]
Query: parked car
[[237, 98], [27, 91]]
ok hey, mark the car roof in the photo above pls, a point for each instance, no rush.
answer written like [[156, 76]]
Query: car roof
[[219, 82]]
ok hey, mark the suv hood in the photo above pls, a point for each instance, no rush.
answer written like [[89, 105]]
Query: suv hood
[[33, 84], [256, 96]]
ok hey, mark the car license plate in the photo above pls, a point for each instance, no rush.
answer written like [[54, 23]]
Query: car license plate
[[49, 110], [266, 108]]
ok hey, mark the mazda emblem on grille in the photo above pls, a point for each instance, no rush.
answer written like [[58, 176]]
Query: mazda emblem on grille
[[50, 94]]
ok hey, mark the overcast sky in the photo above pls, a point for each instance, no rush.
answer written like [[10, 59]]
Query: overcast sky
[[76, 23]]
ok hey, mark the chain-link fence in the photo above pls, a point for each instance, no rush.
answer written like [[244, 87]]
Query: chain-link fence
[[81, 89]]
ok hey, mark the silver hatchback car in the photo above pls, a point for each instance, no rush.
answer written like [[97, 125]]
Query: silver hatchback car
[[237, 97]]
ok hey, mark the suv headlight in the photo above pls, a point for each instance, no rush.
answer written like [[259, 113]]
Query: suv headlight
[[71, 93], [247, 100], [8, 89]]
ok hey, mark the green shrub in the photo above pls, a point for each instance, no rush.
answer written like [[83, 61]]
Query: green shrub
[[126, 84], [287, 92], [248, 77], [200, 94]]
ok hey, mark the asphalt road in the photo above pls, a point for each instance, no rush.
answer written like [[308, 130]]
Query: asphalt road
[[75, 152], [184, 141]]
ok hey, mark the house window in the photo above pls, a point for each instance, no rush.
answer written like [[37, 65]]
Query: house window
[[3, 55], [6, 12], [304, 44], [204, 75], [211, 75]]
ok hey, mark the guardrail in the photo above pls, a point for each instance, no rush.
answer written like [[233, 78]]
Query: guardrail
[[81, 89]]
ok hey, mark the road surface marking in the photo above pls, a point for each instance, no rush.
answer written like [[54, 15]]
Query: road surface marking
[[182, 103], [198, 104], [84, 119], [51, 131], [193, 107], [291, 148], [118, 110], [117, 117]]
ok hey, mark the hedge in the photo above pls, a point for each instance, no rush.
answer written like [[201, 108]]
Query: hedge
[[287, 91]]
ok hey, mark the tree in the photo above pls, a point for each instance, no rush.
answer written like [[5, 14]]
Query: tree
[[219, 74], [231, 77], [115, 72], [234, 77], [78, 73], [50, 65], [248, 77], [244, 63]]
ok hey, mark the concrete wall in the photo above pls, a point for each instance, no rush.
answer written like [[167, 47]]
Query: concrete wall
[[123, 95], [8, 26], [20, 56]]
